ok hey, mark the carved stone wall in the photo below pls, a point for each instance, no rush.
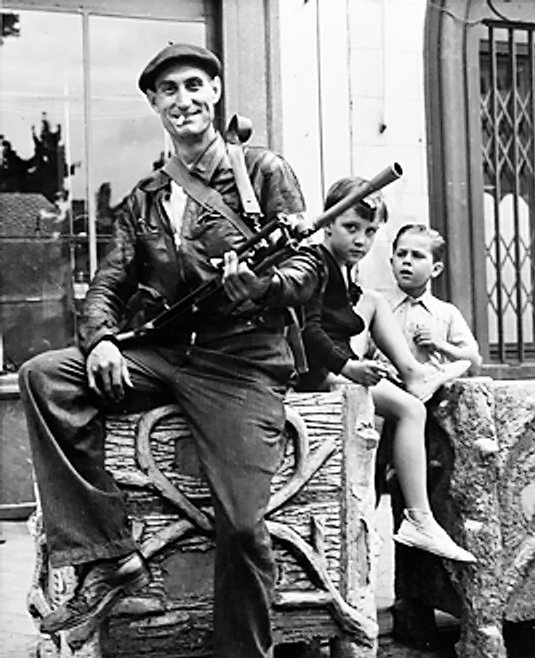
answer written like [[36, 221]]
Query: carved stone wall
[[321, 518], [482, 488]]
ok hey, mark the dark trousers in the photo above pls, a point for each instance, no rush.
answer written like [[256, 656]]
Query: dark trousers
[[236, 416]]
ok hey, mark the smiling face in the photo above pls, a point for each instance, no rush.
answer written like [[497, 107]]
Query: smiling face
[[350, 236], [185, 97], [413, 264]]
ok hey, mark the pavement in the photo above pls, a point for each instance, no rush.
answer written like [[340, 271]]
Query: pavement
[[18, 635]]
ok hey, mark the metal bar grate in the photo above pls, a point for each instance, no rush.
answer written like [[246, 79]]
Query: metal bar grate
[[508, 158]]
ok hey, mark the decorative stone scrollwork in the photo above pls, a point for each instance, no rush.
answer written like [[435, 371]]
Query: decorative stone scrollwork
[[308, 492]]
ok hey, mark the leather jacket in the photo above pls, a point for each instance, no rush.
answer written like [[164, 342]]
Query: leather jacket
[[145, 271]]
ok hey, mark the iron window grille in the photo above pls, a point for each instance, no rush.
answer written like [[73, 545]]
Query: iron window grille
[[507, 110]]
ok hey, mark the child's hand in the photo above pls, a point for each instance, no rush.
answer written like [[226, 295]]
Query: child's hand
[[424, 337], [366, 372]]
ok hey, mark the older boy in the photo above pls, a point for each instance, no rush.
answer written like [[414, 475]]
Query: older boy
[[332, 320], [435, 330]]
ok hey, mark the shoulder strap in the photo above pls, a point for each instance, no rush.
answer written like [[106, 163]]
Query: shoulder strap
[[238, 131], [243, 182], [203, 194], [295, 340]]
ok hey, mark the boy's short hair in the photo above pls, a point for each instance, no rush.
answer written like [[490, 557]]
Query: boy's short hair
[[370, 207], [437, 242]]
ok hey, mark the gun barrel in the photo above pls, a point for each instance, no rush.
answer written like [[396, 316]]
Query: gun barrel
[[383, 178]]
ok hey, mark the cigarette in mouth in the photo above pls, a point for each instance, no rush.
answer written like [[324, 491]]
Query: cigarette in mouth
[[180, 120]]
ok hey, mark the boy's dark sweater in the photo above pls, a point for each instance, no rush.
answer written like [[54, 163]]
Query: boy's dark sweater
[[330, 322]]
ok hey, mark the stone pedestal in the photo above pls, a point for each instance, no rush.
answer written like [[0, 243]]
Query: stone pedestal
[[481, 442], [321, 518]]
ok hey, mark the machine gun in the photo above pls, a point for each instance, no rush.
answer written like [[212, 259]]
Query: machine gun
[[260, 254]]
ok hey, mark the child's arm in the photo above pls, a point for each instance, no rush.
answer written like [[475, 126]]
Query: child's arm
[[323, 351], [320, 347], [365, 372], [387, 334], [459, 344]]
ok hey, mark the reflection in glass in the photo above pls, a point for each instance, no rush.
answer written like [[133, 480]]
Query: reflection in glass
[[45, 163], [127, 134], [127, 140], [40, 163]]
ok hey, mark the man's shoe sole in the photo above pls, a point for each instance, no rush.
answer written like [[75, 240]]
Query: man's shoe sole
[[104, 605]]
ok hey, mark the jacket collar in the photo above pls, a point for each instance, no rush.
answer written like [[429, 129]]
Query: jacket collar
[[213, 157], [156, 181]]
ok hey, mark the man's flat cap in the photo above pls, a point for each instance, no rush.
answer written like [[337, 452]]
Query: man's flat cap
[[176, 52]]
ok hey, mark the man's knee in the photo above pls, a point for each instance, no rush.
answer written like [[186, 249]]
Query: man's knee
[[41, 370], [247, 540], [244, 529], [33, 368]]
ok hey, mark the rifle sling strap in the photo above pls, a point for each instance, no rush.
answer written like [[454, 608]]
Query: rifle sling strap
[[203, 194], [209, 198], [247, 194]]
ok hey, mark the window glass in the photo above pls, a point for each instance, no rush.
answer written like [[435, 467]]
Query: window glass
[[126, 137], [41, 132], [127, 134], [75, 134]]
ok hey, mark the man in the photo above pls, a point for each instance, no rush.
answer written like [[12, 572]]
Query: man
[[228, 369]]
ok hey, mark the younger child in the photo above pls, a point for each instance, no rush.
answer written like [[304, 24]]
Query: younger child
[[331, 322], [435, 330]]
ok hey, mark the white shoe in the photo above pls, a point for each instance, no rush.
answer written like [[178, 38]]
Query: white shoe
[[425, 387], [432, 538]]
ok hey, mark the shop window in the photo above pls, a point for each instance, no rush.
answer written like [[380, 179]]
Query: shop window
[[75, 134]]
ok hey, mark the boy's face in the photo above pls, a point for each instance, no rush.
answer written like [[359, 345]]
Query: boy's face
[[350, 237], [413, 264]]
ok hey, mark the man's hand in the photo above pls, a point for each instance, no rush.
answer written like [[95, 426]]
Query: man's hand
[[240, 282], [107, 372], [366, 372]]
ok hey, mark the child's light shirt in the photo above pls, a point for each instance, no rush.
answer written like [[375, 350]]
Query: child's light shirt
[[443, 319]]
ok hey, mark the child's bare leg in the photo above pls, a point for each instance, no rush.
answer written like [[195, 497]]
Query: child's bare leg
[[421, 379], [408, 449], [390, 340], [419, 528]]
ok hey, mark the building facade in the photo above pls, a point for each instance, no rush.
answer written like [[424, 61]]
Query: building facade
[[339, 87]]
